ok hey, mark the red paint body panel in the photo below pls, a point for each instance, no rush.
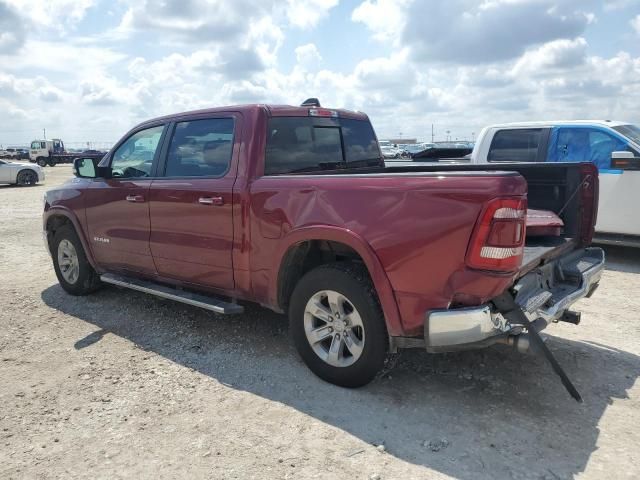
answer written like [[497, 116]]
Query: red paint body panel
[[412, 230], [191, 241], [126, 224], [417, 228]]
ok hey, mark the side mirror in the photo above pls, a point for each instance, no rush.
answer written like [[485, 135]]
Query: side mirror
[[88, 168], [625, 161], [622, 154]]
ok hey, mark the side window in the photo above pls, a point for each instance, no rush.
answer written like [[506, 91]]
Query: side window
[[580, 144], [603, 145], [200, 148], [517, 145], [134, 158], [359, 141]]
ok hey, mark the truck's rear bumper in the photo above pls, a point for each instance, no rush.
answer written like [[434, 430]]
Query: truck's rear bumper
[[544, 293]]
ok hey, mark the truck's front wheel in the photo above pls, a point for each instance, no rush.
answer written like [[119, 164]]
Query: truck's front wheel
[[337, 324], [74, 272], [41, 161]]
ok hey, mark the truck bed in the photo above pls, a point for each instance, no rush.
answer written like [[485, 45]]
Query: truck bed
[[551, 187]]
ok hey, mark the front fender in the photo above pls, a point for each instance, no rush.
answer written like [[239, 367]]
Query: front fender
[[60, 210], [357, 243]]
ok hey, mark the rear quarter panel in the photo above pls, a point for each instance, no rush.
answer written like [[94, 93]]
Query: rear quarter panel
[[417, 228]]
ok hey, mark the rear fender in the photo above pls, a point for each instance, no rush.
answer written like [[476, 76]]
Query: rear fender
[[357, 243]]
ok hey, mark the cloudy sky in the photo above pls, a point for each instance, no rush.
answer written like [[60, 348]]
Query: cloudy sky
[[88, 70]]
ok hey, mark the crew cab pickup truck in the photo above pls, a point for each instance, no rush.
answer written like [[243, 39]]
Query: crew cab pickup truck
[[293, 208], [614, 147]]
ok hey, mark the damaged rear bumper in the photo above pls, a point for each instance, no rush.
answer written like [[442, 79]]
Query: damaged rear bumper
[[544, 295]]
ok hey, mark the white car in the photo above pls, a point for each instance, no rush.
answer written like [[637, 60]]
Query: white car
[[389, 150], [20, 173], [9, 152]]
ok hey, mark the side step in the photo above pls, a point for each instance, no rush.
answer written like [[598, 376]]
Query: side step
[[203, 301]]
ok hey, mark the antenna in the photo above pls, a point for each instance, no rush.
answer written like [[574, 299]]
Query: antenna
[[44, 133]]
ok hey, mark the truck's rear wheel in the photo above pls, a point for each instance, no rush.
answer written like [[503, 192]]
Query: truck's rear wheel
[[41, 161], [337, 324], [26, 178], [74, 272], [52, 163]]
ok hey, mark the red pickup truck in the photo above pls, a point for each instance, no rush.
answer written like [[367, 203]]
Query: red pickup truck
[[294, 209]]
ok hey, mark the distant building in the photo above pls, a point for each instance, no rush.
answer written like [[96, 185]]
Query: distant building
[[404, 141]]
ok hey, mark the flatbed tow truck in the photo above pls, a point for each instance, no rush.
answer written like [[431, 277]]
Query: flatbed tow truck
[[51, 152]]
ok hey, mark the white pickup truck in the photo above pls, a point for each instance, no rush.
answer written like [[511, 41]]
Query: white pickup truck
[[613, 146]]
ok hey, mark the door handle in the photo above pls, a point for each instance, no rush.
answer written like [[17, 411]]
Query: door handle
[[135, 198], [217, 201]]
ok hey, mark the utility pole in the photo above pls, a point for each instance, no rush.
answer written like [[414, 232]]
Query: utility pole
[[44, 133], [433, 137]]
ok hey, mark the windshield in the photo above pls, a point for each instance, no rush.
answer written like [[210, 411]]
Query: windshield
[[632, 132]]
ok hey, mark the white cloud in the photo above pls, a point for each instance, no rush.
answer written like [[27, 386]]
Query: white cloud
[[635, 23], [12, 31], [308, 56], [471, 32], [385, 18], [459, 64], [558, 54], [308, 13], [53, 13]]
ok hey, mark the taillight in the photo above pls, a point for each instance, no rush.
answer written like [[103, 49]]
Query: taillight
[[589, 192], [497, 242]]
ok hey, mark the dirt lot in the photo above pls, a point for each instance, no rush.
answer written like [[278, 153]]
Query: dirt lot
[[123, 385]]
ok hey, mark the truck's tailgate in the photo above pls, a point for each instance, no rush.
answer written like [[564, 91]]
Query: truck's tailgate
[[539, 250]]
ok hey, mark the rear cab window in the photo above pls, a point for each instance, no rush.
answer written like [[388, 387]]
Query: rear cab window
[[301, 144], [516, 145]]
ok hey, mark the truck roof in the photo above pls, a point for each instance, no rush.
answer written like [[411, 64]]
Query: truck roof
[[551, 123], [271, 110]]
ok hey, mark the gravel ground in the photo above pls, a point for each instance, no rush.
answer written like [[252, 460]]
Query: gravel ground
[[123, 385]]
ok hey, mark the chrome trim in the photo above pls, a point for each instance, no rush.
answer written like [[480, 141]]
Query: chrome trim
[[194, 299], [460, 326], [589, 278], [467, 328]]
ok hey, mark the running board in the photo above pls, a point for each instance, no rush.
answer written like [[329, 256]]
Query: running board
[[203, 301]]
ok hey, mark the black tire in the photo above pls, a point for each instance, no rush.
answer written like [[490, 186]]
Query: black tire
[[41, 161], [52, 163], [27, 178], [88, 280], [353, 282]]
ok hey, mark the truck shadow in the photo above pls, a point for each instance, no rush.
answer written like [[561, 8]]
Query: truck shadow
[[622, 259], [485, 414]]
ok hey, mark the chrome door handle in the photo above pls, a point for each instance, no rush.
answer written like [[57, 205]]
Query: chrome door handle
[[217, 201], [135, 198]]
